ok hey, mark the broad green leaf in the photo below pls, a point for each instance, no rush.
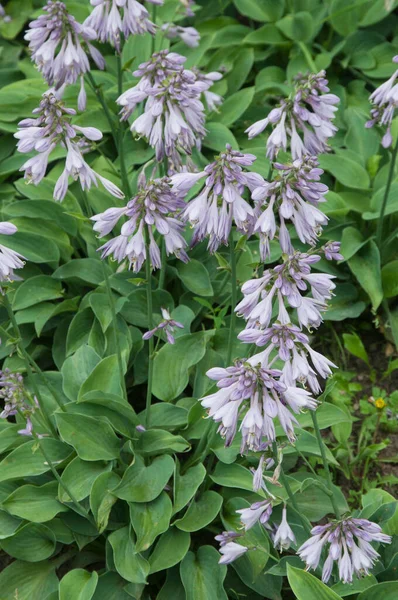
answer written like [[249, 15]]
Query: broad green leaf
[[346, 171], [33, 542], [307, 587], [234, 475], [389, 277], [173, 361], [202, 576], [185, 486], [229, 35], [365, 265], [218, 135], [34, 247], [8, 524], [93, 439], [142, 483], [110, 585], [34, 503], [28, 581], [344, 304], [76, 370], [201, 512], [104, 377], [357, 586], [78, 584], [150, 519], [345, 21], [262, 10], [102, 499], [36, 289], [79, 477], [129, 564], [352, 240], [28, 460], [195, 277], [353, 343], [266, 35], [135, 311], [88, 270], [235, 106], [365, 142], [170, 549], [159, 441], [298, 27], [387, 590], [166, 416], [241, 69]]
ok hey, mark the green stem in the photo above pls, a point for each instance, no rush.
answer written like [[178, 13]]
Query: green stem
[[114, 329], [289, 492], [29, 360], [379, 231], [98, 92], [123, 169], [325, 463], [150, 326], [308, 57], [233, 299]]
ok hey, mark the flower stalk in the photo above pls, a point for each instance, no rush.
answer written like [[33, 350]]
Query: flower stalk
[[325, 463]]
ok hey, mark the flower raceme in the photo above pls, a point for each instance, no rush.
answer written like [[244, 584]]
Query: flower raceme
[[155, 207], [167, 325], [308, 111], [385, 100], [9, 259], [52, 127], [58, 44], [220, 203], [348, 542], [111, 18], [188, 35]]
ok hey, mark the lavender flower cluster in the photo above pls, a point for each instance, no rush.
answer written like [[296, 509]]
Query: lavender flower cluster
[[16, 401], [385, 101]]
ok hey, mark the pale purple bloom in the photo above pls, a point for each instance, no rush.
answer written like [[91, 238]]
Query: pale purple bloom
[[9, 259], [348, 543], [230, 552], [155, 207], [308, 111], [220, 203], [284, 536], [332, 251], [59, 46], [50, 128], [259, 512], [294, 195], [384, 100], [188, 35], [16, 400], [3, 16], [167, 325], [112, 18]]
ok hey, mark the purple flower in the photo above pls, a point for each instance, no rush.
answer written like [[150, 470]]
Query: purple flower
[[188, 35], [294, 195], [220, 202], [384, 100], [230, 552], [111, 18], [3, 16], [167, 325], [50, 128], [349, 545], [284, 536], [257, 512], [155, 207], [58, 44], [9, 259], [16, 400], [309, 110]]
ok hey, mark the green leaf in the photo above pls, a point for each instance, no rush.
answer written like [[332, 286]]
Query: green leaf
[[234, 475], [202, 576], [364, 142], [159, 441], [88, 270], [218, 135], [307, 587], [172, 364], [166, 416], [110, 585], [34, 247], [33, 542], [344, 304], [142, 483], [79, 330], [104, 377], [346, 171], [27, 460], [28, 581], [129, 564], [389, 277], [150, 519], [298, 27], [357, 586], [261, 10], [353, 343], [351, 241], [78, 584], [76, 370], [135, 311], [265, 35], [387, 591], [185, 486], [201, 512], [36, 289], [34, 503], [345, 21], [79, 477], [241, 70], [170, 550], [195, 277], [102, 499], [234, 106], [8, 525], [93, 439], [365, 265]]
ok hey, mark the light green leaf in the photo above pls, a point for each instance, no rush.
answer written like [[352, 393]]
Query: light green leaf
[[202, 576], [159, 441], [28, 581], [298, 27], [307, 587], [102, 499], [195, 277], [142, 483], [79, 477], [129, 564], [27, 460], [34, 247], [88, 270], [33, 542], [261, 10], [387, 590], [185, 486], [365, 265], [234, 106], [354, 345], [170, 550], [389, 277], [352, 240], [357, 586], [8, 525], [218, 135], [348, 172], [201, 512], [104, 377], [344, 304], [78, 584], [36, 289], [93, 439], [150, 519], [76, 370], [35, 503], [110, 585]]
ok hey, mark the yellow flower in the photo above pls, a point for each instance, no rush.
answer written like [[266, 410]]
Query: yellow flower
[[379, 403]]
